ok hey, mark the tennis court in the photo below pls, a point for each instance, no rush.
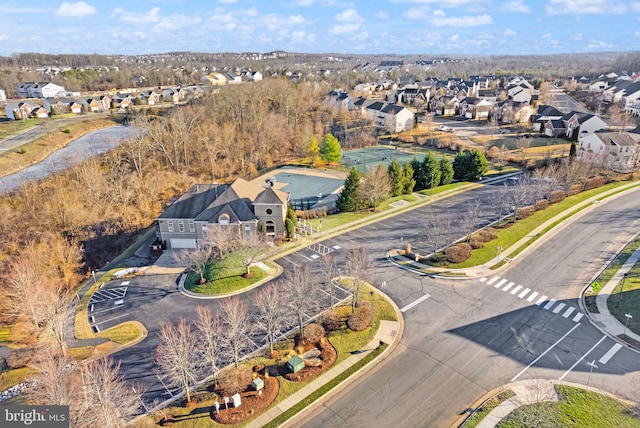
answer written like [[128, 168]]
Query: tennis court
[[365, 159]]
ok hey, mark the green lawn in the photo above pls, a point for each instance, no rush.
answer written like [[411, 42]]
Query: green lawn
[[122, 333], [487, 407], [577, 408], [225, 276], [13, 377]]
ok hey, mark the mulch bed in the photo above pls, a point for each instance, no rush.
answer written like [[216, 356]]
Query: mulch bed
[[328, 356], [252, 403]]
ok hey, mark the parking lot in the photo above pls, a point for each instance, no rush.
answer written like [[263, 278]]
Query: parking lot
[[107, 306]]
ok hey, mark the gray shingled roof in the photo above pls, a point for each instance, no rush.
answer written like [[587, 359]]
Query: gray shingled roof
[[194, 201]]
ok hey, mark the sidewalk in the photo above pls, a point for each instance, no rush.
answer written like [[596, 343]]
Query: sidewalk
[[389, 332]]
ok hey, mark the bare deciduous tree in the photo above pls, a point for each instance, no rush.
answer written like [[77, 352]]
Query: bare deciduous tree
[[57, 315], [108, 400], [330, 270], [209, 330], [471, 217], [437, 229], [25, 293], [358, 267], [252, 245], [236, 327], [301, 292], [376, 186], [195, 259], [176, 355], [272, 316], [518, 195], [222, 238]]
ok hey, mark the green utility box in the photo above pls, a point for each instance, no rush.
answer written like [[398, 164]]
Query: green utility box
[[295, 364], [257, 384]]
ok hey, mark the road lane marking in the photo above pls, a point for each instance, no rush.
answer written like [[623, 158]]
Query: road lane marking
[[415, 302], [515, 290], [524, 293], [549, 304], [568, 312], [578, 317], [582, 358], [559, 308], [508, 286], [540, 300], [545, 352], [483, 279], [610, 353], [499, 284], [532, 296], [492, 280]]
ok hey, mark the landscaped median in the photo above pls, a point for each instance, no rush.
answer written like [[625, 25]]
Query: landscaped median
[[292, 391], [514, 238]]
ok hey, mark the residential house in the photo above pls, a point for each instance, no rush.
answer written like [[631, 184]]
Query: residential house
[[39, 112], [55, 106], [232, 79], [242, 207], [215, 79], [475, 108], [544, 114], [521, 96], [554, 128], [38, 90], [410, 96], [254, 76], [445, 105], [18, 111], [616, 150], [3, 97], [338, 99]]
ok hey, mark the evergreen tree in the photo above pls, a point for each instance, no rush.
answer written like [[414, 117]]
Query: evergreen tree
[[348, 197], [446, 171], [397, 177], [419, 174], [573, 150], [469, 165], [291, 215], [409, 181], [330, 149], [431, 170], [313, 150]]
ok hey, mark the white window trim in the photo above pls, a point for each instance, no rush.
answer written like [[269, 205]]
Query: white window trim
[[170, 226], [181, 226]]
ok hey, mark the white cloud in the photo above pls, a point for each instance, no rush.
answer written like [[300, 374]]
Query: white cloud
[[580, 7], [577, 36], [3, 37], [516, 6], [635, 7], [227, 1], [454, 38], [509, 32], [420, 12], [637, 33], [152, 16], [598, 44], [305, 2], [438, 12], [78, 9], [382, 14], [462, 21], [440, 3], [349, 21]]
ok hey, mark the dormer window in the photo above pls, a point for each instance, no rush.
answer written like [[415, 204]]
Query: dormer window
[[223, 219]]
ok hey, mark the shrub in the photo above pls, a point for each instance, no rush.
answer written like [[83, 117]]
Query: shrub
[[525, 212], [360, 318], [488, 234], [234, 380], [476, 242], [458, 253], [575, 189], [66, 131], [313, 332], [331, 321], [408, 250], [594, 182], [541, 204], [557, 196]]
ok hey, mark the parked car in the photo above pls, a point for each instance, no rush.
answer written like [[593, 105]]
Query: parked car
[[444, 128]]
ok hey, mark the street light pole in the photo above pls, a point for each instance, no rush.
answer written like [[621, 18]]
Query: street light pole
[[592, 366], [372, 311], [628, 317]]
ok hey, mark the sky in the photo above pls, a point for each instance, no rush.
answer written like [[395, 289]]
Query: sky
[[425, 27]]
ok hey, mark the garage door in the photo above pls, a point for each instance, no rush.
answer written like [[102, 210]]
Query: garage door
[[183, 243]]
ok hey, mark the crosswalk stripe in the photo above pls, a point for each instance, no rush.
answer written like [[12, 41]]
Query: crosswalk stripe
[[540, 300], [524, 293], [578, 317], [499, 284], [492, 280], [515, 290], [483, 279], [508, 286], [568, 312], [610, 353], [549, 304], [559, 308]]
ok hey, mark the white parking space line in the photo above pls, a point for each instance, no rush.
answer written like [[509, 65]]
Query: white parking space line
[[112, 318], [545, 352], [568, 312], [415, 302], [559, 308], [336, 247], [508, 286], [492, 280], [578, 317], [540, 300], [532, 296], [549, 304], [125, 283], [483, 279], [290, 261], [583, 356], [524, 293], [515, 290], [499, 284], [610, 353]]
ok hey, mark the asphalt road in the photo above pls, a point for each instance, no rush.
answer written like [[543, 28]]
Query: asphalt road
[[469, 337]]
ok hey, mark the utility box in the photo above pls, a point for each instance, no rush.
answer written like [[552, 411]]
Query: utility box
[[295, 364], [235, 399], [257, 384]]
